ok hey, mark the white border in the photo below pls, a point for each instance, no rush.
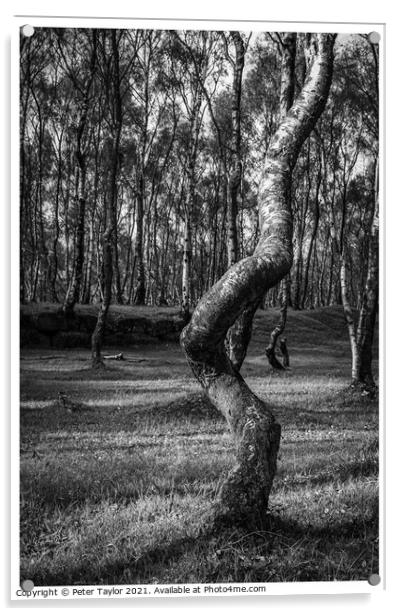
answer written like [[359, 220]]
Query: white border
[[288, 588]]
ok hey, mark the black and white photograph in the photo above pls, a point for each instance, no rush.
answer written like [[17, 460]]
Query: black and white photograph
[[199, 281]]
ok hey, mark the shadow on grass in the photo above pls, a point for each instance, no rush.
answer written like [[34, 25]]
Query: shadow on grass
[[341, 473], [300, 553], [124, 415], [148, 369]]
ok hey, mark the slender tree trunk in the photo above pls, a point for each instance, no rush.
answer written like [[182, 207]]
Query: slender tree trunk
[[110, 216], [54, 265], [235, 172], [349, 317], [40, 236], [73, 293], [316, 218], [147, 58], [189, 206], [244, 496], [286, 100], [369, 307], [25, 80], [74, 289], [284, 291], [116, 261], [240, 333], [139, 298], [300, 235], [185, 283]]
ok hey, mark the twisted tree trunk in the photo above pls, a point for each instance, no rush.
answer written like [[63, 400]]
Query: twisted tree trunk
[[243, 498]]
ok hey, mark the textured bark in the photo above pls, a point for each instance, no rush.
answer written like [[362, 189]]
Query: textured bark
[[54, 257], [361, 332], [185, 281], [301, 227], [280, 326], [316, 218], [240, 333], [139, 298], [235, 171], [369, 307], [110, 213], [285, 103], [140, 290], [98, 333], [73, 292], [244, 495], [25, 88], [348, 312], [287, 73], [195, 126]]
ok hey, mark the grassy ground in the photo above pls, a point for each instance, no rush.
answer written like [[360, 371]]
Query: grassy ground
[[114, 493]]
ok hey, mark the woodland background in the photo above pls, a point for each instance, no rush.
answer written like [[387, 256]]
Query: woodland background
[[145, 119], [140, 158]]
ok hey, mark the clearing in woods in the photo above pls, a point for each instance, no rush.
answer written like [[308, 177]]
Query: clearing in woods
[[114, 491]]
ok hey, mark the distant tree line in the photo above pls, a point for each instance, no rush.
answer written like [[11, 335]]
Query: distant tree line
[[141, 154]]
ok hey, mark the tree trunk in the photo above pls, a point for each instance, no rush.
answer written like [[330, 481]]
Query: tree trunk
[[239, 335], [316, 218], [74, 289], [286, 100], [139, 299], [116, 260], [54, 266], [244, 495], [73, 292], [280, 326], [369, 307], [110, 213], [98, 333], [350, 321], [185, 284], [235, 172], [189, 205], [298, 267]]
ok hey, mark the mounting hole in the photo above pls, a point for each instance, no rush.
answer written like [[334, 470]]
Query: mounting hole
[[374, 579], [27, 585], [28, 30], [374, 38]]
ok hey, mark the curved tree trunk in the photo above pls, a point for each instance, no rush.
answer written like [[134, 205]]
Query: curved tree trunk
[[244, 495]]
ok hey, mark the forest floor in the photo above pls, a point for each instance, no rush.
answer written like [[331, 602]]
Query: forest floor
[[114, 493]]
